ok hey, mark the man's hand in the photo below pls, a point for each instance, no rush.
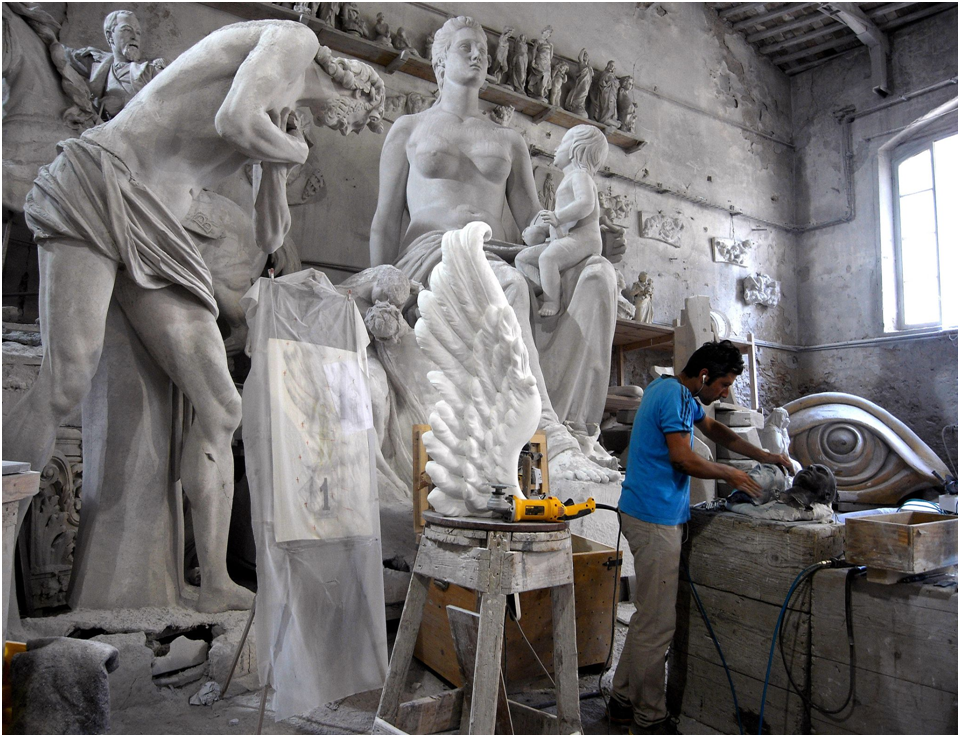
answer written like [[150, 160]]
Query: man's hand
[[744, 482], [779, 459]]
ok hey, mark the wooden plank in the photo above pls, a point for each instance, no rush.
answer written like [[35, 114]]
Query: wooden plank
[[441, 712], [17, 486], [744, 628], [465, 630], [758, 559], [630, 331], [907, 631], [403, 648], [912, 542], [486, 676], [422, 483], [565, 659], [698, 690], [467, 567], [882, 704]]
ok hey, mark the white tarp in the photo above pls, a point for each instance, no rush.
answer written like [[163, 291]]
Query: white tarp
[[309, 445]]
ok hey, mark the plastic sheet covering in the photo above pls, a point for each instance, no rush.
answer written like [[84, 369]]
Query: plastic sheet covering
[[310, 458]]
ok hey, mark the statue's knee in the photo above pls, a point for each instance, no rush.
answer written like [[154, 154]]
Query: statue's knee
[[229, 414]]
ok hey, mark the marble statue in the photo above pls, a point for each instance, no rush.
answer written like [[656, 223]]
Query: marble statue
[[500, 64], [502, 114], [489, 399], [350, 20], [109, 228], [306, 8], [541, 66], [626, 107], [417, 102], [327, 13], [428, 46], [115, 76], [774, 436], [663, 228], [760, 289], [548, 193], [518, 64], [731, 251], [641, 292], [422, 181], [612, 208], [381, 31], [625, 308], [603, 100], [576, 101], [43, 102], [875, 457], [562, 238], [402, 43], [557, 81]]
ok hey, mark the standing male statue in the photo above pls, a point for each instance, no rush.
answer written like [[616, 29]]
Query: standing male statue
[[107, 217], [115, 76]]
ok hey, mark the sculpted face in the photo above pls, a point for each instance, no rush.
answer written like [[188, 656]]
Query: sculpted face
[[125, 38], [466, 61], [347, 114]]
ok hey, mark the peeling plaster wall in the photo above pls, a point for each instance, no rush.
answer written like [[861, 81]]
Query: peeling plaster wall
[[716, 117], [839, 279]]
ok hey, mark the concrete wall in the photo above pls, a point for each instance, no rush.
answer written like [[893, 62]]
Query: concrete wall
[[839, 281]]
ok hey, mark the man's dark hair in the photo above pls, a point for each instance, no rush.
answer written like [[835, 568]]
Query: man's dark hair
[[718, 357]]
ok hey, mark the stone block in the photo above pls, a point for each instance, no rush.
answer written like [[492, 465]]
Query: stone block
[[740, 418], [131, 683], [184, 653], [222, 651]]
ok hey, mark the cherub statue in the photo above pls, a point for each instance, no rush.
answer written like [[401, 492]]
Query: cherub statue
[[428, 46], [402, 43], [540, 66], [625, 308], [306, 8], [642, 295], [562, 238], [518, 64], [381, 31], [559, 79], [500, 63], [626, 107], [350, 20]]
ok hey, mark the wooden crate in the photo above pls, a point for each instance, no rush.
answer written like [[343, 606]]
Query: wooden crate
[[593, 580], [904, 542]]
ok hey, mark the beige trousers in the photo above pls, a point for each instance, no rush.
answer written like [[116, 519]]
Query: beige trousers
[[640, 674]]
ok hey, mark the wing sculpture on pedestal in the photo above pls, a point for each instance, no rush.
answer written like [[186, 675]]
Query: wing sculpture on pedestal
[[490, 404]]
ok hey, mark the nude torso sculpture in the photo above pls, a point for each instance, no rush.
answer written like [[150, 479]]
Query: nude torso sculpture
[[449, 166], [107, 215]]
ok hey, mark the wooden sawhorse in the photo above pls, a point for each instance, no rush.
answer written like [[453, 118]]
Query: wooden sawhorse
[[496, 559]]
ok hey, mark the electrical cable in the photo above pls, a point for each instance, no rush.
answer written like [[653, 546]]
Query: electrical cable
[[808, 571], [847, 586], [716, 642], [524, 636]]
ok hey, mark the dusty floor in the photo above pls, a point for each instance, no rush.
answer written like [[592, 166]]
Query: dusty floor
[[238, 713]]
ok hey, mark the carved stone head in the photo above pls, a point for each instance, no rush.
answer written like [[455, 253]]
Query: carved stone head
[[461, 30], [361, 98], [122, 32]]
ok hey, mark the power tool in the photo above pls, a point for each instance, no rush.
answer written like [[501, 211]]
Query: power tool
[[546, 509]]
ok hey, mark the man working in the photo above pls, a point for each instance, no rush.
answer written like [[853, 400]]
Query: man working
[[654, 504]]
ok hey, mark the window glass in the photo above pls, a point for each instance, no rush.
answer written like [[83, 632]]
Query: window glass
[[946, 155], [914, 174]]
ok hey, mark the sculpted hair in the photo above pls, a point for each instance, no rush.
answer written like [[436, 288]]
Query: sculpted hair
[[442, 41], [589, 147], [110, 22], [359, 78], [718, 357]]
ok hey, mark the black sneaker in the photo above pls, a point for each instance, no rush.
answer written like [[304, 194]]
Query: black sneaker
[[619, 712], [664, 726]]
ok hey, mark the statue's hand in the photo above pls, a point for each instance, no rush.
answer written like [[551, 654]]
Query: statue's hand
[[286, 259], [614, 246], [549, 217]]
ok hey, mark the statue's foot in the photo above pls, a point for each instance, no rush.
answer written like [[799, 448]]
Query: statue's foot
[[574, 465], [226, 598], [549, 309]]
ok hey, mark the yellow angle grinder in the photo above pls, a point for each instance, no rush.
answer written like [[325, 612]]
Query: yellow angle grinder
[[547, 509]]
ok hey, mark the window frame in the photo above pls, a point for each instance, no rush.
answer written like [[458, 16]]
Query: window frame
[[901, 154]]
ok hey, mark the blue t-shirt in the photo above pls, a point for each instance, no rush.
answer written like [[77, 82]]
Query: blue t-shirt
[[653, 490]]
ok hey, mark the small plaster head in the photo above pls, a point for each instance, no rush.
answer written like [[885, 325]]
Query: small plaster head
[[361, 95], [626, 83], [546, 33], [121, 28]]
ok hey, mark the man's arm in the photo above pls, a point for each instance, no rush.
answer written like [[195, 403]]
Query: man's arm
[[723, 435], [683, 459]]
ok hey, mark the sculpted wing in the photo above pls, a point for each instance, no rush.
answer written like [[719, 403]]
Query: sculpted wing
[[490, 405]]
